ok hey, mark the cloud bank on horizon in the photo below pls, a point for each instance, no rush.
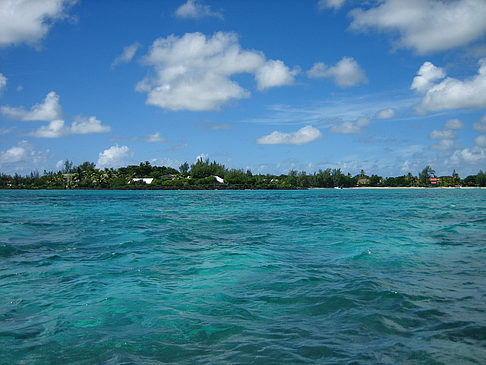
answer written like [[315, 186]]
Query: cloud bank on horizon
[[420, 100]]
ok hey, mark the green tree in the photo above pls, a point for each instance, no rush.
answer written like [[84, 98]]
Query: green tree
[[184, 168], [425, 175], [481, 178], [456, 180], [375, 180], [68, 167]]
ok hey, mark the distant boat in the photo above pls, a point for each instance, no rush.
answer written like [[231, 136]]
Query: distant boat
[[338, 187]]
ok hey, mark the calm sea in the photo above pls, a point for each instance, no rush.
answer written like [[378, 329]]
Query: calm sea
[[243, 277]]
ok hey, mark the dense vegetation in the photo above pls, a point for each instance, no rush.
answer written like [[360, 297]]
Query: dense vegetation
[[202, 175]]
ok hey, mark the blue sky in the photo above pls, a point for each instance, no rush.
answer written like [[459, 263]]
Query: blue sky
[[386, 86]]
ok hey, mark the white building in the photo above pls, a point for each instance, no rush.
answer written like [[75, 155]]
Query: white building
[[146, 180]]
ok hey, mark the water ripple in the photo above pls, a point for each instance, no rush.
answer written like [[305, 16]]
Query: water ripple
[[386, 276]]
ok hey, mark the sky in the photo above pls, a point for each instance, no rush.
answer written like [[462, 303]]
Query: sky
[[387, 86]]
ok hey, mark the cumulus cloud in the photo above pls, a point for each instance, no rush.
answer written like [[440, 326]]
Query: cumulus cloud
[[385, 113], [195, 10], [89, 125], [3, 83], [443, 134], [54, 129], [480, 125], [28, 21], [356, 127], [453, 124], [443, 145], [13, 155], [46, 111], [21, 157], [274, 73], [80, 125], [127, 54], [469, 155], [335, 4], [451, 93], [426, 25], [480, 141], [446, 136], [50, 111], [115, 156], [202, 157], [304, 135], [193, 72], [346, 73], [427, 75]]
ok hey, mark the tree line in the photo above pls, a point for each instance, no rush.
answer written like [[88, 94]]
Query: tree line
[[202, 175]]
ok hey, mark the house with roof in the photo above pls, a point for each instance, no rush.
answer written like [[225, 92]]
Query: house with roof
[[146, 180], [363, 181], [434, 180]]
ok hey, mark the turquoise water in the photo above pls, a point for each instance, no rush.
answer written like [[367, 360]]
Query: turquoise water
[[244, 277]]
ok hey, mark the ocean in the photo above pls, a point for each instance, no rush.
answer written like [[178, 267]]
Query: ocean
[[386, 276]]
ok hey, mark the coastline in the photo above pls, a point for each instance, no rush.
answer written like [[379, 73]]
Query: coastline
[[232, 188], [403, 187]]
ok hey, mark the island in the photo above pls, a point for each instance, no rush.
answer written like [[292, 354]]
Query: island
[[204, 174]]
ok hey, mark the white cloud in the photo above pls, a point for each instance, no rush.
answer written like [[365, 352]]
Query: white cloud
[[83, 125], [47, 111], [444, 134], [194, 9], [3, 83], [193, 72], [347, 72], [426, 25], [385, 114], [13, 155], [127, 55], [202, 157], [452, 93], [28, 21], [154, 138], [22, 157], [54, 129], [115, 156], [335, 4], [356, 127], [274, 73], [469, 155], [427, 75], [480, 141], [443, 145], [304, 135], [480, 125], [452, 124], [50, 111]]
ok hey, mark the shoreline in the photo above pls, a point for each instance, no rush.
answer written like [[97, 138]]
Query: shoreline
[[403, 187], [223, 188], [417, 187]]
